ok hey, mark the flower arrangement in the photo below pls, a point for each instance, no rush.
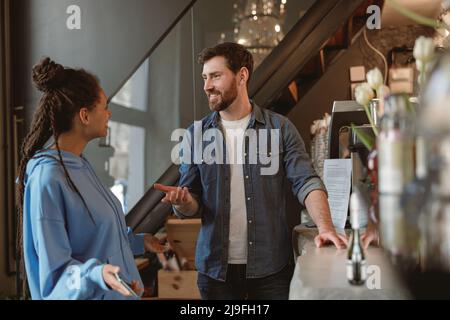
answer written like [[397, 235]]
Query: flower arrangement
[[364, 93], [424, 54]]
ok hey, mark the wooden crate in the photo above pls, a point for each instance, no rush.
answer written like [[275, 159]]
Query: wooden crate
[[178, 285], [182, 236]]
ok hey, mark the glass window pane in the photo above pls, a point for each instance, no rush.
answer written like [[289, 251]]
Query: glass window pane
[[134, 93], [127, 163]]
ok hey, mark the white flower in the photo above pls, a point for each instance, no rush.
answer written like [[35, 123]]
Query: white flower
[[424, 66], [424, 49], [421, 80], [364, 93], [375, 78], [383, 91]]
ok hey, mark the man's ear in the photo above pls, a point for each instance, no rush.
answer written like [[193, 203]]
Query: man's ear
[[84, 115], [243, 75]]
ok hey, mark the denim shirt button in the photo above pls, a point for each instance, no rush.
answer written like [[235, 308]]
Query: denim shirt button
[[248, 198], [250, 221], [246, 177], [251, 243]]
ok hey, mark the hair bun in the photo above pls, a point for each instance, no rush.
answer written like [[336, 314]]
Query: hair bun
[[48, 75]]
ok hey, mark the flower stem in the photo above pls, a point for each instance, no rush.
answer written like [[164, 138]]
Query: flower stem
[[369, 116], [422, 76]]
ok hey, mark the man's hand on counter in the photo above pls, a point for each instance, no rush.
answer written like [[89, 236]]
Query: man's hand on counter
[[317, 205], [331, 237]]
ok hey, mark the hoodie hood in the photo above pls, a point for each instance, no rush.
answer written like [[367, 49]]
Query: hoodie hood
[[50, 156]]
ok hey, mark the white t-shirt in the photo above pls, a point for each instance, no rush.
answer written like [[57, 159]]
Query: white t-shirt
[[234, 137]]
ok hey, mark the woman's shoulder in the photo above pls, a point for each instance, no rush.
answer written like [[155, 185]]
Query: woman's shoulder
[[48, 172]]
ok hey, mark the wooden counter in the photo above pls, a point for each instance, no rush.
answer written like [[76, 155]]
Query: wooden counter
[[320, 273]]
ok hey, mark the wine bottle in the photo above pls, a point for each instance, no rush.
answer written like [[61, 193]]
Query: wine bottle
[[356, 263]]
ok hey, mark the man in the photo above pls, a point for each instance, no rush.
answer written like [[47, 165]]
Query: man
[[243, 245]]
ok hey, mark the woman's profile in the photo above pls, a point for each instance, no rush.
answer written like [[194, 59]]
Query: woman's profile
[[75, 239]]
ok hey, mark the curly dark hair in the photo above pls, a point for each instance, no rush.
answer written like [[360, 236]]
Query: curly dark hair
[[65, 92], [236, 55]]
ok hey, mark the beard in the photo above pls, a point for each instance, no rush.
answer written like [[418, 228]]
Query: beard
[[223, 100]]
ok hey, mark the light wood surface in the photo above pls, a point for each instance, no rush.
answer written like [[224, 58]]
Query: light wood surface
[[320, 273]]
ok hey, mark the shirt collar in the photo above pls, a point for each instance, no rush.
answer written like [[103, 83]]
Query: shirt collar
[[257, 115]]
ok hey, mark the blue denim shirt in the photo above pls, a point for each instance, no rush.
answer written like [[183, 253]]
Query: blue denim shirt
[[267, 230]]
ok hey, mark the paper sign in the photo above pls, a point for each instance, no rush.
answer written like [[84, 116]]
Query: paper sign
[[337, 174]]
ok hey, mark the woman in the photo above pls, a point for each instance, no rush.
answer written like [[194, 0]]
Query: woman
[[74, 235]]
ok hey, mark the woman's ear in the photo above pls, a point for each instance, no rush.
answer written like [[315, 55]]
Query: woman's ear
[[84, 115]]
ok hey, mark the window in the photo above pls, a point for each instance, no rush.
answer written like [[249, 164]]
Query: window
[[126, 166], [134, 92]]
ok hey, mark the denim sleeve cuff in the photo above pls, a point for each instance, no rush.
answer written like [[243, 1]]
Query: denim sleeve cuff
[[181, 215], [310, 185], [96, 275], [198, 214]]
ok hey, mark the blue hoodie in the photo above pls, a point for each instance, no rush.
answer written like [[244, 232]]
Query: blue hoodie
[[65, 244]]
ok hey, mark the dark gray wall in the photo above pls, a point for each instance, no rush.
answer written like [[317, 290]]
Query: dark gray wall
[[114, 39]]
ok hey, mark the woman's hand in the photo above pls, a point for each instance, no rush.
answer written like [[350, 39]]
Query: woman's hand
[[109, 277], [135, 287], [155, 244]]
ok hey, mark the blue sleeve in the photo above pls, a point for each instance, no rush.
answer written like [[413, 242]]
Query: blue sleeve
[[136, 242], [297, 164], [190, 175], [190, 178], [60, 275]]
